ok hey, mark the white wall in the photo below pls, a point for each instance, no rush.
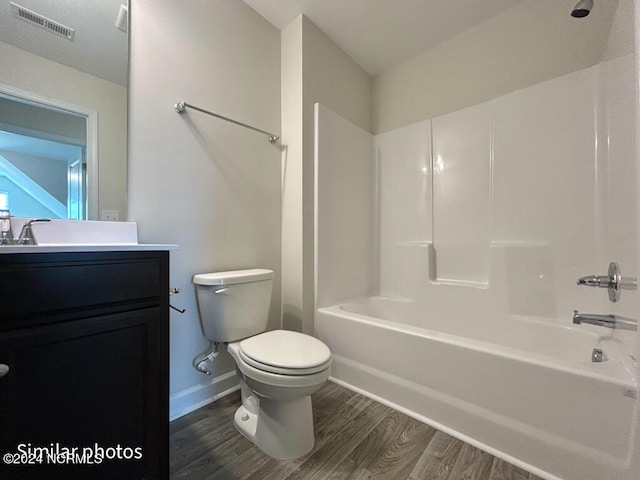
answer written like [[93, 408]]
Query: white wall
[[293, 250], [533, 41], [208, 185], [44, 78], [314, 70]]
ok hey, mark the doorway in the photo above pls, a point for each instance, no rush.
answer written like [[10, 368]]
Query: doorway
[[43, 159]]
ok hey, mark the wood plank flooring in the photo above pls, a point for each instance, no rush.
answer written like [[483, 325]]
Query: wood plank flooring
[[356, 439]]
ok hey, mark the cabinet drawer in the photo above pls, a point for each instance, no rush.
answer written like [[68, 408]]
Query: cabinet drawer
[[48, 288]]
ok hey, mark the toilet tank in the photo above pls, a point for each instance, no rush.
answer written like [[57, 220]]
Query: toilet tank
[[233, 305]]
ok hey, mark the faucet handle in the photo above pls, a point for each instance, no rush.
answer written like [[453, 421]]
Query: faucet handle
[[6, 236], [613, 282]]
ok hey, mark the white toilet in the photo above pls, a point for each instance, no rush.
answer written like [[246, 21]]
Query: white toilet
[[278, 370]]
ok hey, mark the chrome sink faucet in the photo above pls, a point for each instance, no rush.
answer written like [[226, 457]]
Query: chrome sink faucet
[[26, 234], [609, 321]]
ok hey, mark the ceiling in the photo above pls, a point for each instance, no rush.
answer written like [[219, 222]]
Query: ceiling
[[98, 46], [379, 34], [376, 34]]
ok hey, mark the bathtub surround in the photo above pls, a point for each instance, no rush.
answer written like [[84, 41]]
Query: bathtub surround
[[485, 218], [207, 185], [431, 230]]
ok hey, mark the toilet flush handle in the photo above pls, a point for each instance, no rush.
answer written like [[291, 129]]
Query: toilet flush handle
[[221, 291]]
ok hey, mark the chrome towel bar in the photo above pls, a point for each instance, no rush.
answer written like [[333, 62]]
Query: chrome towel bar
[[181, 106]]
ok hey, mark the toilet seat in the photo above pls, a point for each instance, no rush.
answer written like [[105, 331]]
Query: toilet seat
[[285, 352], [286, 380]]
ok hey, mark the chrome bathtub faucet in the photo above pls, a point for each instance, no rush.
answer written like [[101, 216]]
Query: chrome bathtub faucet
[[609, 321], [613, 281]]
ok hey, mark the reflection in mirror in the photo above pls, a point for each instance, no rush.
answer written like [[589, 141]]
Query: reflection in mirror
[[43, 160], [63, 97]]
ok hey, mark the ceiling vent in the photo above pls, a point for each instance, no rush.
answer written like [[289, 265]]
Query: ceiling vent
[[41, 21]]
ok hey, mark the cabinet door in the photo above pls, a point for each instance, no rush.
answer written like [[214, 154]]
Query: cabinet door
[[91, 384]]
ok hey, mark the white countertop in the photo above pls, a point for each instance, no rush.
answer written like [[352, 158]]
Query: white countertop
[[64, 248]]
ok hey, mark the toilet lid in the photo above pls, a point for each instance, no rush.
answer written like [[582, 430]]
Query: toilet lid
[[286, 352]]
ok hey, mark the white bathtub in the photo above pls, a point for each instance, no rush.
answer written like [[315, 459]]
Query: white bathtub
[[521, 388]]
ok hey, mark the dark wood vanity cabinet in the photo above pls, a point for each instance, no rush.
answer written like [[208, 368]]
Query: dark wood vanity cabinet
[[84, 337]]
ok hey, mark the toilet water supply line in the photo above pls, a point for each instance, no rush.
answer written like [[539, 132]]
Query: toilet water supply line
[[202, 366]]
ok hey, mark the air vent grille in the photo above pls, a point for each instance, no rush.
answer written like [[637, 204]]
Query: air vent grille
[[41, 21]]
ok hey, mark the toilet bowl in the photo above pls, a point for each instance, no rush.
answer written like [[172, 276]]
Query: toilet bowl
[[276, 384], [278, 370]]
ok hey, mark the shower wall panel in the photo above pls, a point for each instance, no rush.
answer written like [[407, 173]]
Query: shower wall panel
[[519, 196], [344, 208], [462, 195], [617, 176], [545, 181], [404, 205], [515, 201]]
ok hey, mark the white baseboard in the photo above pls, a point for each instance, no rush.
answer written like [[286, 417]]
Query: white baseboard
[[193, 398]]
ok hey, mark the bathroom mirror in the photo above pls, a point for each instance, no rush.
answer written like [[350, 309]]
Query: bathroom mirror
[[63, 108]]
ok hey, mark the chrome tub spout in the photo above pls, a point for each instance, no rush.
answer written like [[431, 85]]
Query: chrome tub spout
[[609, 321]]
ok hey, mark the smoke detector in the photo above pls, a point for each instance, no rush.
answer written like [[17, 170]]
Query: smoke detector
[[41, 21]]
